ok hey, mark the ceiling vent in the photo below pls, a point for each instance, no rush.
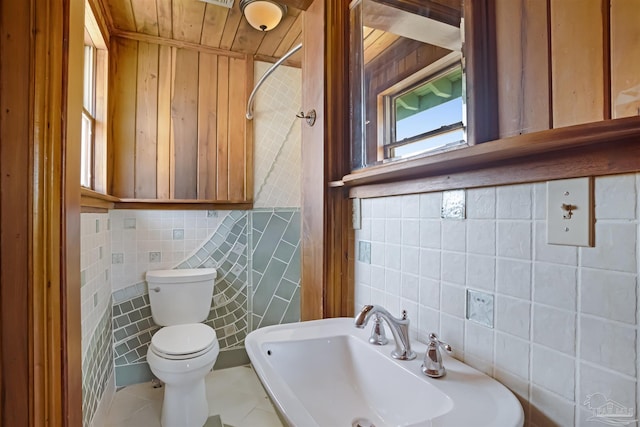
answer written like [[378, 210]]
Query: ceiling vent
[[224, 3]]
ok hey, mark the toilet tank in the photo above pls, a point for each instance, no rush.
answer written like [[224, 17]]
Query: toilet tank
[[180, 296]]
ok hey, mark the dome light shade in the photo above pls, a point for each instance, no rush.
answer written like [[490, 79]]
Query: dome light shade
[[263, 15]]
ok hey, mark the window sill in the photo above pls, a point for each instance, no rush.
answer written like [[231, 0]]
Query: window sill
[[599, 148], [92, 201]]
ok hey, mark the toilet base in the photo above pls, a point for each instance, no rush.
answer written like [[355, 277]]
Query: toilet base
[[185, 405]]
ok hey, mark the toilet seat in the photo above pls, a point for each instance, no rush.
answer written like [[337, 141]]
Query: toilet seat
[[181, 342]]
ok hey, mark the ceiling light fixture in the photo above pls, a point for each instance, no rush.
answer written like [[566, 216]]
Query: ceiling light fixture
[[263, 15]]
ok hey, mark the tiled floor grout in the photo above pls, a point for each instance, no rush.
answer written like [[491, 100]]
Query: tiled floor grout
[[235, 394]]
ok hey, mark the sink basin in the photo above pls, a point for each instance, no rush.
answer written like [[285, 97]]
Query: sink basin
[[325, 373]]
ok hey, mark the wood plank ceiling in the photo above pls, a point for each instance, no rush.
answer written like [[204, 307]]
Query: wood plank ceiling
[[194, 22]]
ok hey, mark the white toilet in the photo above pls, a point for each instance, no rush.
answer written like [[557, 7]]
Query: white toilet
[[184, 350]]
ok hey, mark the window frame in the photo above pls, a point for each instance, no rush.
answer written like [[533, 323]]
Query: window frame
[[96, 111], [390, 143]]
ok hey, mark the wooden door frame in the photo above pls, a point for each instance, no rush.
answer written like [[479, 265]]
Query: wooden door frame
[[40, 363]]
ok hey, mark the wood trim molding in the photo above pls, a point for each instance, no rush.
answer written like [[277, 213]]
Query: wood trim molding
[[622, 156], [516, 149], [176, 43], [178, 204], [596, 149]]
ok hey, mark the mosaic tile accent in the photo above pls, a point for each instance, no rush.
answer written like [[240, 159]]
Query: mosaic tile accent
[[275, 267], [97, 367], [273, 243]]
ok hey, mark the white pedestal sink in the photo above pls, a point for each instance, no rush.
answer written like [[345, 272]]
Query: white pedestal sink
[[325, 373]]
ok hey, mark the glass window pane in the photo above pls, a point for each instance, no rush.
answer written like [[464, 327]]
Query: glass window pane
[[86, 154], [89, 80]]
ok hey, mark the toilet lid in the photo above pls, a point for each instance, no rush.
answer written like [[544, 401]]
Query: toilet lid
[[183, 339]]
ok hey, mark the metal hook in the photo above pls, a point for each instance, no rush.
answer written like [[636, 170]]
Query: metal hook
[[310, 117]]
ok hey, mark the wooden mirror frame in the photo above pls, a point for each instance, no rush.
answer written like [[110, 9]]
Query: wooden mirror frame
[[479, 56]]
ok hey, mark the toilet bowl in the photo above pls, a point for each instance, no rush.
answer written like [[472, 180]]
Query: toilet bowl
[[183, 351], [181, 356]]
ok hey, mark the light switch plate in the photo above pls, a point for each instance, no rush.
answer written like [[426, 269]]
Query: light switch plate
[[570, 212]]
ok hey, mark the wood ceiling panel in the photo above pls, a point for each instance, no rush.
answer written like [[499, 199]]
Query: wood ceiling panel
[[145, 15], [247, 38], [165, 18], [290, 38], [215, 18], [274, 37], [203, 24], [231, 26], [122, 15], [188, 16]]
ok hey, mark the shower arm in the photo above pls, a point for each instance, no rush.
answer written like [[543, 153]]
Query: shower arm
[[264, 77]]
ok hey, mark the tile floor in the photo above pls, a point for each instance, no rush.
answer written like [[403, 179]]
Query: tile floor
[[235, 394]]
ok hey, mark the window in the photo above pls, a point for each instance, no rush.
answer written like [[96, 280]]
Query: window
[[88, 119], [93, 140], [427, 116]]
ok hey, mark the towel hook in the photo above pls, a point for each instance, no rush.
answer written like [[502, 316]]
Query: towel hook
[[310, 117]]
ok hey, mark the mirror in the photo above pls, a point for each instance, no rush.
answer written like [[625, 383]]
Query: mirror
[[408, 83]]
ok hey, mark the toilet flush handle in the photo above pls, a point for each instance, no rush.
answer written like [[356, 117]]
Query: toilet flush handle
[[156, 289]]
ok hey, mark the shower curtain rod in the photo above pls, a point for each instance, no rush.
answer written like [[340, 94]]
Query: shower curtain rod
[[264, 77]]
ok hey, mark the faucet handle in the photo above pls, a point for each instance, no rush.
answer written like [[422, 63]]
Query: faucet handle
[[378, 336], [433, 338], [432, 365]]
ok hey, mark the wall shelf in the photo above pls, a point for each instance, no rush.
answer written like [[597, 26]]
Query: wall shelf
[[599, 148]]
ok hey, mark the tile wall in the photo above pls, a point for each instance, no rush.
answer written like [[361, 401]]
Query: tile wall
[[95, 293], [277, 136], [565, 318], [264, 241]]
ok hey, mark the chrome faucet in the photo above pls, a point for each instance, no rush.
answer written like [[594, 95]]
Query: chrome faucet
[[399, 329], [432, 365]]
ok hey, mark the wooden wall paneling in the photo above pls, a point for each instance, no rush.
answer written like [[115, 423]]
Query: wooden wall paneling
[[479, 55], [313, 160], [122, 14], [238, 124], [187, 20], [248, 131], [145, 15], [184, 117], [213, 25], [122, 117], [102, 18], [338, 231], [222, 140], [146, 122], [523, 66], [15, 280], [207, 125], [163, 162], [577, 62], [165, 21], [625, 58]]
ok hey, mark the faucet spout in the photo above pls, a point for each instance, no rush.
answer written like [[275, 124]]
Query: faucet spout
[[399, 329]]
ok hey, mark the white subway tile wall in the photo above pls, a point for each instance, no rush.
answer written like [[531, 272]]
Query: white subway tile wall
[[143, 240], [95, 264], [277, 153], [566, 318]]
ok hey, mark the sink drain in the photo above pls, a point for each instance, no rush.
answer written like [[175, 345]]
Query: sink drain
[[362, 422]]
